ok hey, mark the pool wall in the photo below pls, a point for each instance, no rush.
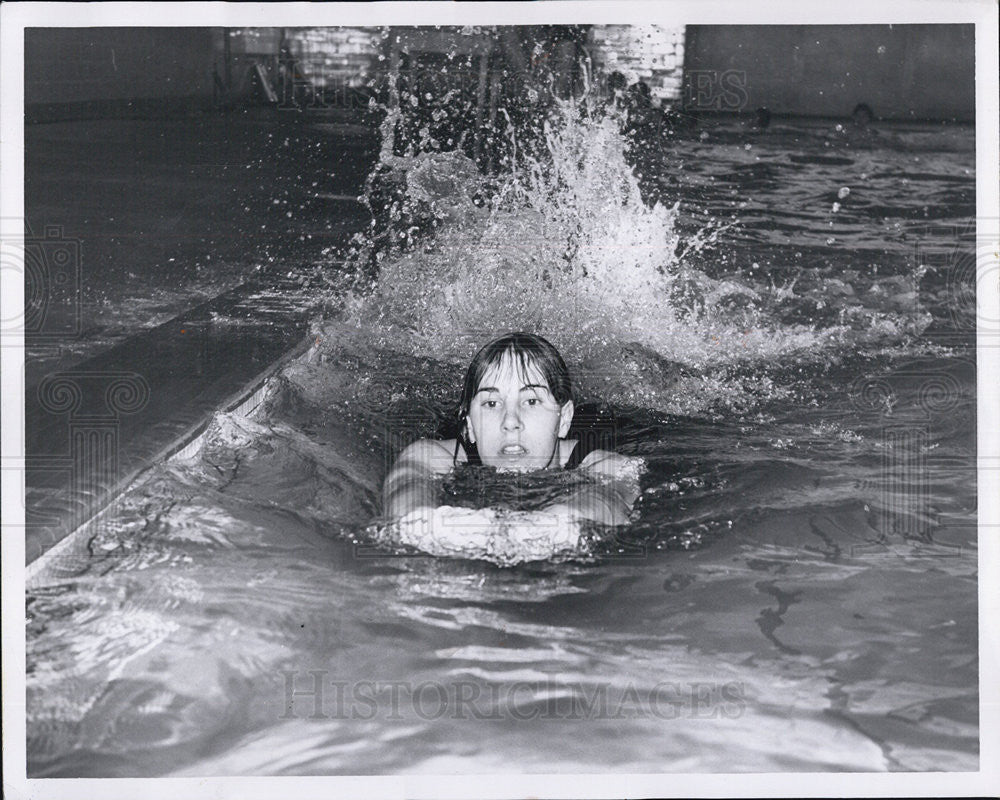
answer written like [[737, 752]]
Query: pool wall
[[196, 252], [51, 547], [92, 430], [903, 72]]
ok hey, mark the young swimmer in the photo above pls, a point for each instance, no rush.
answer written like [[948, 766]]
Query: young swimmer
[[515, 412]]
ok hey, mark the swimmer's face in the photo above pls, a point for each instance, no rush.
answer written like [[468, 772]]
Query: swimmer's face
[[515, 421]]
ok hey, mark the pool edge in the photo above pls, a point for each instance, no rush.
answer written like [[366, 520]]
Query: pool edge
[[241, 403]]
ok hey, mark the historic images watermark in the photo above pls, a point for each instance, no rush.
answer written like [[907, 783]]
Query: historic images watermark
[[911, 401], [900, 494], [715, 90], [300, 82], [318, 694], [66, 489], [68, 471], [49, 267], [961, 262]]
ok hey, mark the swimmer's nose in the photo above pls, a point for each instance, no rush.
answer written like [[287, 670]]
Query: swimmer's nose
[[511, 421]]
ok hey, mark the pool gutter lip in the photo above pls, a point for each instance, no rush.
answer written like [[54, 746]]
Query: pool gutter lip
[[242, 403]]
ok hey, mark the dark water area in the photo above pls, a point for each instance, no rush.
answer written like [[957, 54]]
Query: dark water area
[[160, 215], [797, 591]]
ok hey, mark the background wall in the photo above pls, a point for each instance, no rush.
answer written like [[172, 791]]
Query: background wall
[[901, 71], [337, 57], [73, 72], [349, 56], [650, 53]]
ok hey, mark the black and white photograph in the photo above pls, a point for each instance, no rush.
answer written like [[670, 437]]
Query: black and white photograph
[[553, 399]]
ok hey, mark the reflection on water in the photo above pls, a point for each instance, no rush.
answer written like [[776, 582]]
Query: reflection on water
[[798, 591]]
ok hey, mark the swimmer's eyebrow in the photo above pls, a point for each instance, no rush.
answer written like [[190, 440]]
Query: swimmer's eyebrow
[[523, 388]]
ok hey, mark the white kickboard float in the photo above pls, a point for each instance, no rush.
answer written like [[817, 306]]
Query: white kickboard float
[[503, 537]]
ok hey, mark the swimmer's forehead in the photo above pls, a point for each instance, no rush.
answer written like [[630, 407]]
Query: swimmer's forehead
[[510, 368]]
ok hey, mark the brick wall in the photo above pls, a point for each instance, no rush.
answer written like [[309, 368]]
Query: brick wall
[[337, 57], [343, 56], [650, 53], [254, 41], [330, 58]]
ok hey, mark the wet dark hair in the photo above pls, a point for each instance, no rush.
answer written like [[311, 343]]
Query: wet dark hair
[[527, 350]]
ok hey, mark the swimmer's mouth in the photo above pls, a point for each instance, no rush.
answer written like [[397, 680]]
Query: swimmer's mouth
[[513, 450]]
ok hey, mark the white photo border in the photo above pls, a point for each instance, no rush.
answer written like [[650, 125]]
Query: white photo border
[[983, 13]]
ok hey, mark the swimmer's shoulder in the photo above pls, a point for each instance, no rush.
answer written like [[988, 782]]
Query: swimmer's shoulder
[[609, 464], [434, 455], [600, 461]]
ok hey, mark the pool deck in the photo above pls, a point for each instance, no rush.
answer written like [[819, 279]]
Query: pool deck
[[90, 431], [92, 426]]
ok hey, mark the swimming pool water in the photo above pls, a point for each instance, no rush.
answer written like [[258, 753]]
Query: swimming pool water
[[798, 591]]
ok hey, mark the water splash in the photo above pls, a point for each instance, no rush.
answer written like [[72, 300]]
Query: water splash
[[563, 244]]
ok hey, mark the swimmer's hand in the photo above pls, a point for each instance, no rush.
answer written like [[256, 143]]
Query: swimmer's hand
[[446, 528], [561, 513], [507, 536], [610, 498]]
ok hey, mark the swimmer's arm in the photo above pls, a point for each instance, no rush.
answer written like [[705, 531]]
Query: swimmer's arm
[[608, 501], [411, 484]]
